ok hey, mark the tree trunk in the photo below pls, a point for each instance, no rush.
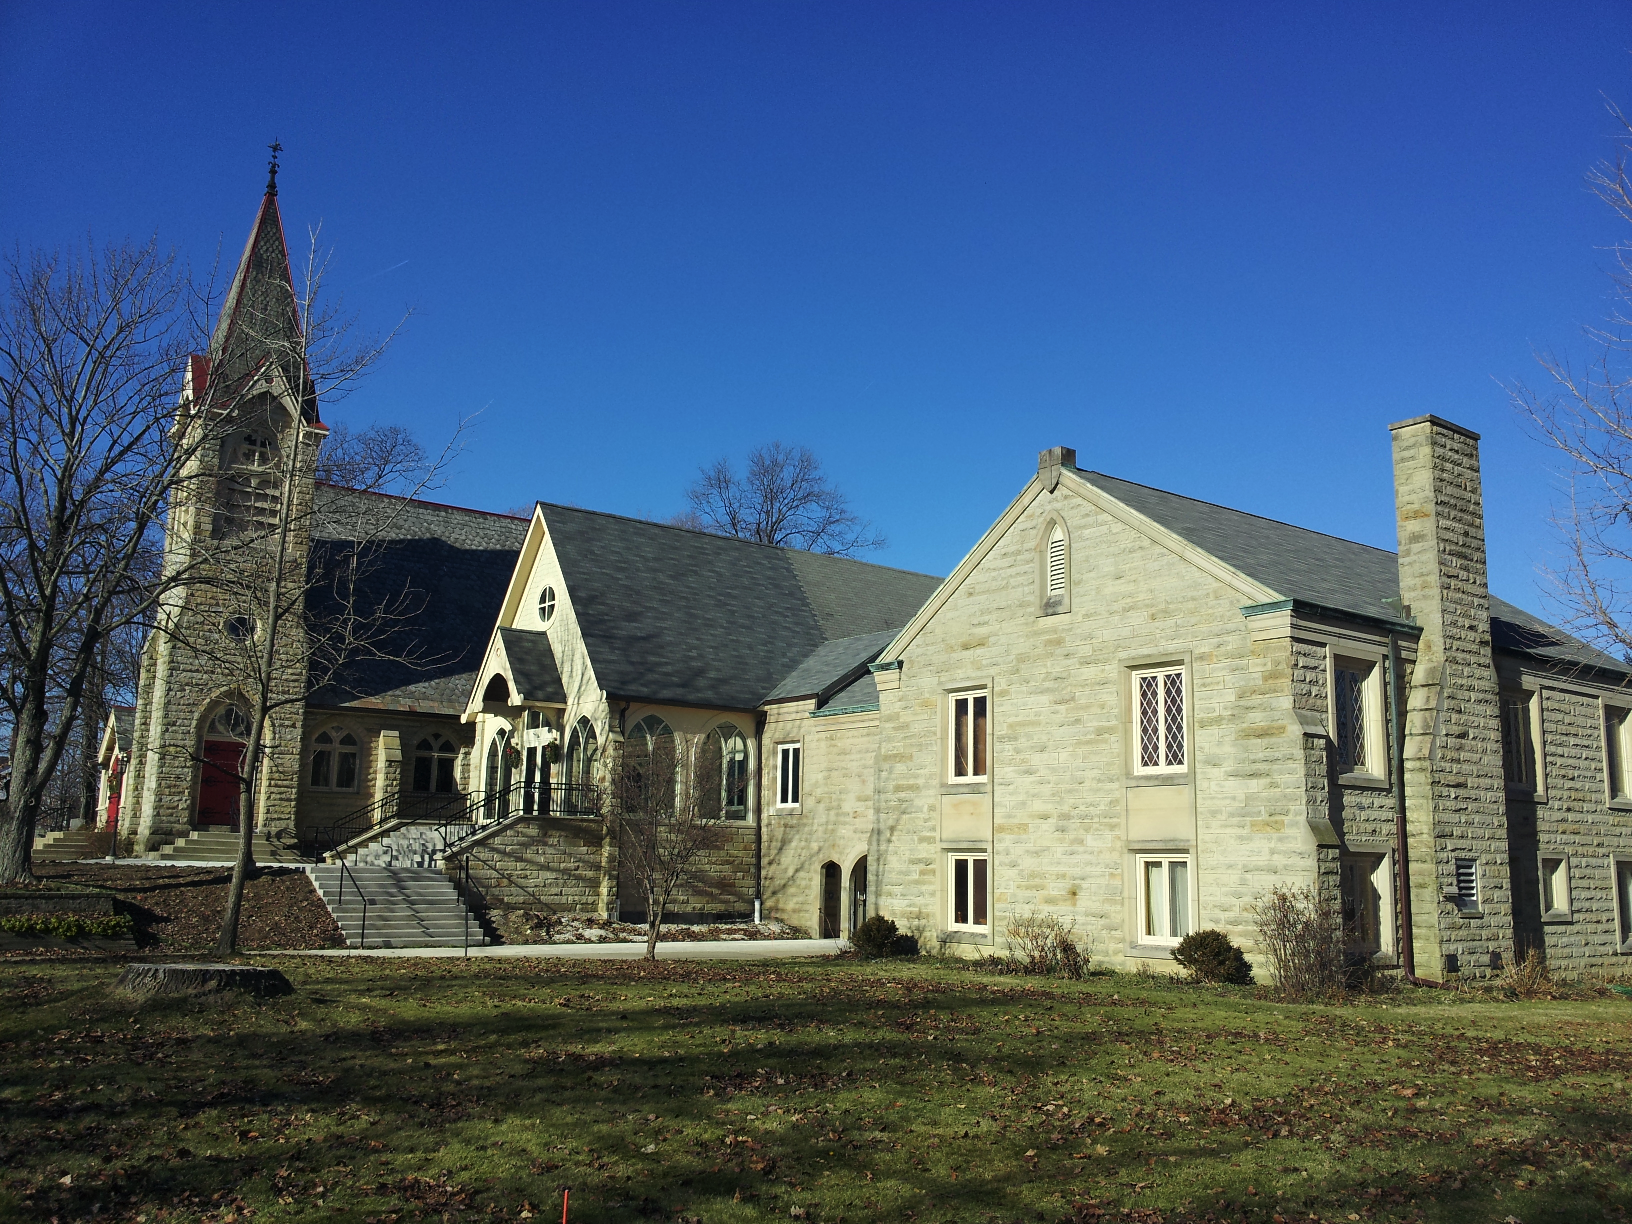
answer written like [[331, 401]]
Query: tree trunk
[[655, 905], [245, 862], [22, 807]]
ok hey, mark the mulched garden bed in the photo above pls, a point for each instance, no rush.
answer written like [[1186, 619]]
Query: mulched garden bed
[[179, 909]]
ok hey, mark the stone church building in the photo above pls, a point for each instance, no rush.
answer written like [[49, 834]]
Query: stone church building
[[1128, 708]]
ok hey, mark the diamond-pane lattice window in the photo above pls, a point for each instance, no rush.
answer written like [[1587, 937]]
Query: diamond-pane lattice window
[[1161, 719], [1349, 697]]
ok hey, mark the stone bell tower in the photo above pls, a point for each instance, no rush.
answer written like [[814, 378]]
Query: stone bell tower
[[248, 418]]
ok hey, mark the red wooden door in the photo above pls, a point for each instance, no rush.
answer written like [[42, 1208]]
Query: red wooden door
[[218, 783]]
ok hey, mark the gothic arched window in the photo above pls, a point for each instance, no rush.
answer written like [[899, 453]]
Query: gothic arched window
[[434, 758], [732, 748], [579, 762], [334, 760]]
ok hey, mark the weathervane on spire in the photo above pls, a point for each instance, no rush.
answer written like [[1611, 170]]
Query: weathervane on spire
[[272, 168]]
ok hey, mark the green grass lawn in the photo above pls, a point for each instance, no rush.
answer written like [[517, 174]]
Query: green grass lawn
[[442, 1090]]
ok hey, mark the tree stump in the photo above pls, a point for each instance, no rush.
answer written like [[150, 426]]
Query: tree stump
[[148, 980]]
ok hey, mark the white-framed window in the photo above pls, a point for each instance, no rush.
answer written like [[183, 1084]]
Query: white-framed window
[[969, 894], [334, 760], [789, 759], [966, 736], [1464, 892], [1519, 741], [1555, 886], [1357, 707], [1615, 754], [1622, 869], [1164, 898], [546, 605], [1159, 705]]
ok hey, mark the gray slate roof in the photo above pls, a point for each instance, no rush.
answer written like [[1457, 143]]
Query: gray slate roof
[[449, 567], [680, 616], [124, 725], [833, 664], [532, 665], [1329, 572]]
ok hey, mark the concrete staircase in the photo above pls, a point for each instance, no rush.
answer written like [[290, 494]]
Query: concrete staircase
[[62, 847], [221, 846], [408, 907]]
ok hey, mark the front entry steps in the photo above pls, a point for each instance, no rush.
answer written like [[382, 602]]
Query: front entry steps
[[408, 907], [407, 845], [221, 846], [65, 846]]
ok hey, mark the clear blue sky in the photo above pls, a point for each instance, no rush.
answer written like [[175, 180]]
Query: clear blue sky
[[1216, 252]]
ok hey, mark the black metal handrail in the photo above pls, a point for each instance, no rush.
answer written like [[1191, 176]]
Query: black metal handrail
[[411, 807], [340, 898]]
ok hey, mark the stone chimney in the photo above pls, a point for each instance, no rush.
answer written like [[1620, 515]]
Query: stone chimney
[[1050, 461], [1456, 803]]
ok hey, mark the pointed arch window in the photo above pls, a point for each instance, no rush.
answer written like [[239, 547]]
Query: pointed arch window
[[434, 760], [1053, 568], [732, 750], [579, 762], [333, 760], [501, 773], [648, 774]]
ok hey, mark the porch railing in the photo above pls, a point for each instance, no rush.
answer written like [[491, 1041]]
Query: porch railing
[[455, 817]]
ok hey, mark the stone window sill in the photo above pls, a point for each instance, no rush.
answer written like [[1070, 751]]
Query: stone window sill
[[1363, 781], [1620, 805], [1150, 951], [965, 788], [1557, 918], [1462, 913], [964, 937], [1179, 777]]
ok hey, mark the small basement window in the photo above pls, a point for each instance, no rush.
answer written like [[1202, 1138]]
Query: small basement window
[[1555, 886]]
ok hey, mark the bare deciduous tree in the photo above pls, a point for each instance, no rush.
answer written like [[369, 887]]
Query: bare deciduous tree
[[784, 498], [1586, 415], [665, 809], [91, 358], [292, 628], [379, 457]]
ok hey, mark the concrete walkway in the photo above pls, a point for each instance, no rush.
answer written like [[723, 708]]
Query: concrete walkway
[[702, 949]]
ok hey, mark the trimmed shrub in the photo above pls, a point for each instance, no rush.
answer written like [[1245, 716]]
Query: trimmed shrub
[[1211, 956], [877, 937], [68, 926], [1301, 931], [1041, 944]]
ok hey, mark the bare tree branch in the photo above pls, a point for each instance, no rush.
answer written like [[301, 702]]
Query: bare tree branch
[[1586, 415], [784, 499]]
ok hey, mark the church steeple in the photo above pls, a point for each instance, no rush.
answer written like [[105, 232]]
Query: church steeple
[[260, 318]]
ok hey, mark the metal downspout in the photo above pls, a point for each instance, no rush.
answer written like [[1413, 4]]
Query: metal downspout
[[759, 815]]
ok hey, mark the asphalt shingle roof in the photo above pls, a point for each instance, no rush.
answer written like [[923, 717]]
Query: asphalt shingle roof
[[532, 664], [450, 567], [831, 663], [1329, 572], [673, 615]]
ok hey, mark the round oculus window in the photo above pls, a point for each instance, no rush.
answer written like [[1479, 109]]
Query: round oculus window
[[546, 605]]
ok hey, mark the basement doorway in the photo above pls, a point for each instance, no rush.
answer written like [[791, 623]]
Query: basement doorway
[[858, 894]]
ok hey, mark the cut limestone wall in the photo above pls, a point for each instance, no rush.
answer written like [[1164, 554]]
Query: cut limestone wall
[[1064, 814], [1455, 790], [833, 821]]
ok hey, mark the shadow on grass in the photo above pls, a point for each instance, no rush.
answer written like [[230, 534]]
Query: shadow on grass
[[681, 1088]]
